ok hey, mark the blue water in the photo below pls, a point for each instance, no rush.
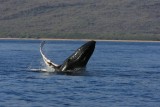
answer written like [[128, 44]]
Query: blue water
[[119, 74]]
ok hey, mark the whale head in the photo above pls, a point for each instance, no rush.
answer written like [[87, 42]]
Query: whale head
[[79, 58]]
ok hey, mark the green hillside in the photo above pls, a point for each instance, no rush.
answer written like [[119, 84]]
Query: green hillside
[[92, 19]]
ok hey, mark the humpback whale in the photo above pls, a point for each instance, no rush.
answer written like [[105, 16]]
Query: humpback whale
[[73, 64]]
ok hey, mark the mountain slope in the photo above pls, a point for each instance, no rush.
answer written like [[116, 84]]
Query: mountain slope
[[108, 19]]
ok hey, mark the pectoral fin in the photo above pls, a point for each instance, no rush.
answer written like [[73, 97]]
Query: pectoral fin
[[46, 60]]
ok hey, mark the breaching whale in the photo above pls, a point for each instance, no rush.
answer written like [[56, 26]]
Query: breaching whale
[[74, 63]]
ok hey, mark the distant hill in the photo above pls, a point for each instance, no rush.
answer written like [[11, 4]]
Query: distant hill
[[99, 19]]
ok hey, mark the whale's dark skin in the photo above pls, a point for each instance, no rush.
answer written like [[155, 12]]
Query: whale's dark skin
[[74, 63]]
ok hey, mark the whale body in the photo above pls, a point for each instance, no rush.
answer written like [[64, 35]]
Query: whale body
[[73, 64]]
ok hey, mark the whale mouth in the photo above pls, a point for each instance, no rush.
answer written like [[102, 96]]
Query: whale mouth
[[74, 63]]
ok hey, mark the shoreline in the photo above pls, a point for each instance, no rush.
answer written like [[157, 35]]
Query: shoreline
[[59, 39]]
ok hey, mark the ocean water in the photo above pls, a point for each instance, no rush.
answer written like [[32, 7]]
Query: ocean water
[[119, 74]]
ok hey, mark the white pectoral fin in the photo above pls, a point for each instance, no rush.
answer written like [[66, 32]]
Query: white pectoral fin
[[46, 60]]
